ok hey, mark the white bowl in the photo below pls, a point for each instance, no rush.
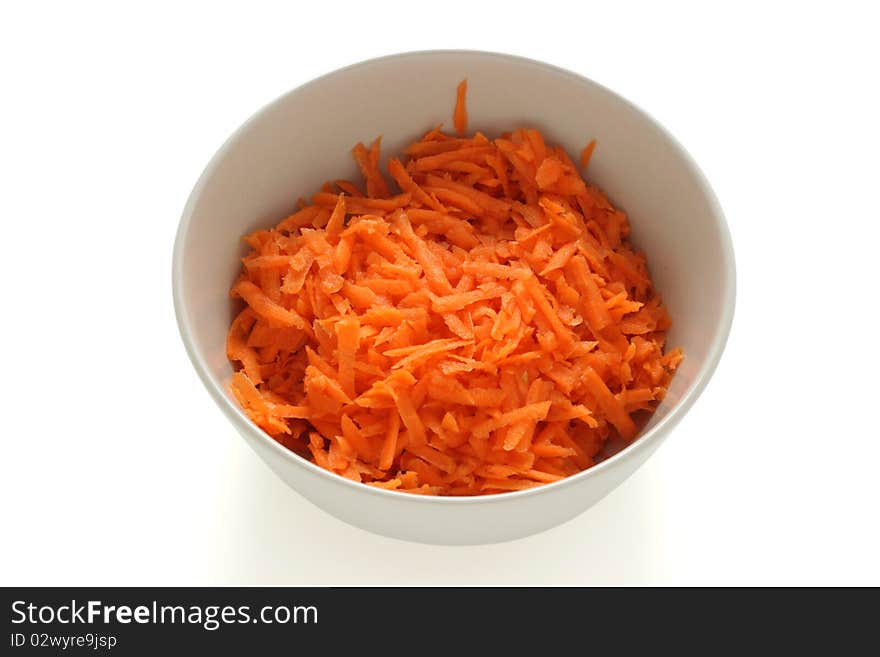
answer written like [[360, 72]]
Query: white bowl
[[290, 147]]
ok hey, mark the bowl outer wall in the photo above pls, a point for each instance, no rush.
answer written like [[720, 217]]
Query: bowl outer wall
[[295, 143]]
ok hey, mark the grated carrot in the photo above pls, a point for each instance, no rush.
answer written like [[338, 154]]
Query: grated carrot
[[459, 116], [587, 153], [488, 328]]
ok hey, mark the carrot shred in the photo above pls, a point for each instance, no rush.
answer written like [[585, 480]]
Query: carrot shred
[[407, 184], [459, 115], [348, 337], [337, 219], [587, 153], [368, 162], [271, 312], [489, 328], [389, 446]]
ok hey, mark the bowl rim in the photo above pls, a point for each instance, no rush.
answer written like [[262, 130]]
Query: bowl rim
[[642, 442]]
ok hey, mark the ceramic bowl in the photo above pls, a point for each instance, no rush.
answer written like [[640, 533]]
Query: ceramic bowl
[[288, 148]]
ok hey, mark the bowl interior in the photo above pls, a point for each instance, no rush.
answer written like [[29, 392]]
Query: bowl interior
[[304, 138]]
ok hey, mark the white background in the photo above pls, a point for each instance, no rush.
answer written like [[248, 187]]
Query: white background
[[116, 466]]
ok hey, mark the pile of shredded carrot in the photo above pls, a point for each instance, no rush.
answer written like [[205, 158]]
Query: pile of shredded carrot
[[484, 327]]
